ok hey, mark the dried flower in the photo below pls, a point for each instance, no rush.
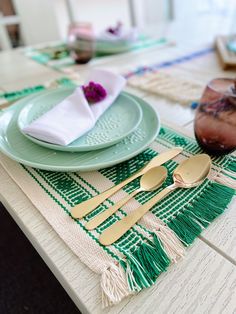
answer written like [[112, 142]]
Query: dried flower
[[94, 92], [115, 30]]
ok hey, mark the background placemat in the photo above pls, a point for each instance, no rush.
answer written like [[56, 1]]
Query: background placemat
[[135, 261], [8, 98], [57, 55], [182, 79], [189, 57], [177, 89], [158, 78]]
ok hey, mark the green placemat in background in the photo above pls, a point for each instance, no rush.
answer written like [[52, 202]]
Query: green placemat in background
[[57, 55], [7, 98]]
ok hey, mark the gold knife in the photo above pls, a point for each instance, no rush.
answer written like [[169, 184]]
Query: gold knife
[[84, 208]]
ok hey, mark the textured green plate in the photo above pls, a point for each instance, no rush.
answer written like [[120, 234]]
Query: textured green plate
[[107, 47], [18, 147], [121, 119]]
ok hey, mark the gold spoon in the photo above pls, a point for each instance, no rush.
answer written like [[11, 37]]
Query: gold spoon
[[151, 180], [190, 173], [84, 208]]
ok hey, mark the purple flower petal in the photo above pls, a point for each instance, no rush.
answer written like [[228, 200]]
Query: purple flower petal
[[115, 30], [94, 92]]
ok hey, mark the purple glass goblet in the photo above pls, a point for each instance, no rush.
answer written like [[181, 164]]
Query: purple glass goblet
[[215, 120], [81, 42]]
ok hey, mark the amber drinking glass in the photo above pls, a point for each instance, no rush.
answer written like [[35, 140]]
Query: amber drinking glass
[[81, 42], [215, 120]]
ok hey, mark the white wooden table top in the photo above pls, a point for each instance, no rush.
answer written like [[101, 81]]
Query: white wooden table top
[[205, 280]]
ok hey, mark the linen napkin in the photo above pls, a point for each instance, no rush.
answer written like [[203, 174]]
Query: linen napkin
[[74, 116]]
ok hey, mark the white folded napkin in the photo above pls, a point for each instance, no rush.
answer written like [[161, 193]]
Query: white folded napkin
[[130, 34], [74, 116]]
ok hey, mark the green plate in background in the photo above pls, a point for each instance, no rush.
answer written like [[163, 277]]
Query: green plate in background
[[110, 47], [121, 119], [17, 147]]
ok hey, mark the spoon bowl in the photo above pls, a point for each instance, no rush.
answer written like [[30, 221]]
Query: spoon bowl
[[150, 181], [191, 172]]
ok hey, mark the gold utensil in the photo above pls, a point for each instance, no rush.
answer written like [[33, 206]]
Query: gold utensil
[[149, 181], [190, 173], [84, 208]]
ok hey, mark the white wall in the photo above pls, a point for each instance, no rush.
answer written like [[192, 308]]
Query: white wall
[[156, 11], [193, 8], [42, 20], [150, 12]]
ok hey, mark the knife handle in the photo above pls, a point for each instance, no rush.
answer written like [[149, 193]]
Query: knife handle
[[84, 208], [115, 231], [97, 220]]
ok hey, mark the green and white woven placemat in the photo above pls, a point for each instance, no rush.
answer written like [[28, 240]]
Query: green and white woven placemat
[[57, 55], [7, 98], [136, 260], [165, 85]]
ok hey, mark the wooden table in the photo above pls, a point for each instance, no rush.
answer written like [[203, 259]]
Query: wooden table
[[205, 280]]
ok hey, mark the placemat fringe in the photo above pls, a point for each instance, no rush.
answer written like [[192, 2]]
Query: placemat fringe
[[172, 245], [146, 263], [189, 223], [114, 285], [232, 167], [228, 181]]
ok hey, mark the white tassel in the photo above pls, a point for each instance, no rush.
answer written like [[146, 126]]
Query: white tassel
[[133, 284], [172, 245], [229, 173], [231, 183], [114, 285]]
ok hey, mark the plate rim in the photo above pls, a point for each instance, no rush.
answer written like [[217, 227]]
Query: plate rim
[[82, 148], [85, 168]]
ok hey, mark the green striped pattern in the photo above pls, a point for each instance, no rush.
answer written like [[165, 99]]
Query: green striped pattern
[[18, 94], [186, 212], [58, 56]]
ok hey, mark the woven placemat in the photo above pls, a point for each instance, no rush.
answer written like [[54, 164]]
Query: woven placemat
[[155, 80], [135, 261], [174, 88], [57, 55], [8, 98]]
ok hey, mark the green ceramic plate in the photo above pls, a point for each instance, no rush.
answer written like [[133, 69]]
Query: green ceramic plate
[[121, 119], [106, 47], [18, 147]]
